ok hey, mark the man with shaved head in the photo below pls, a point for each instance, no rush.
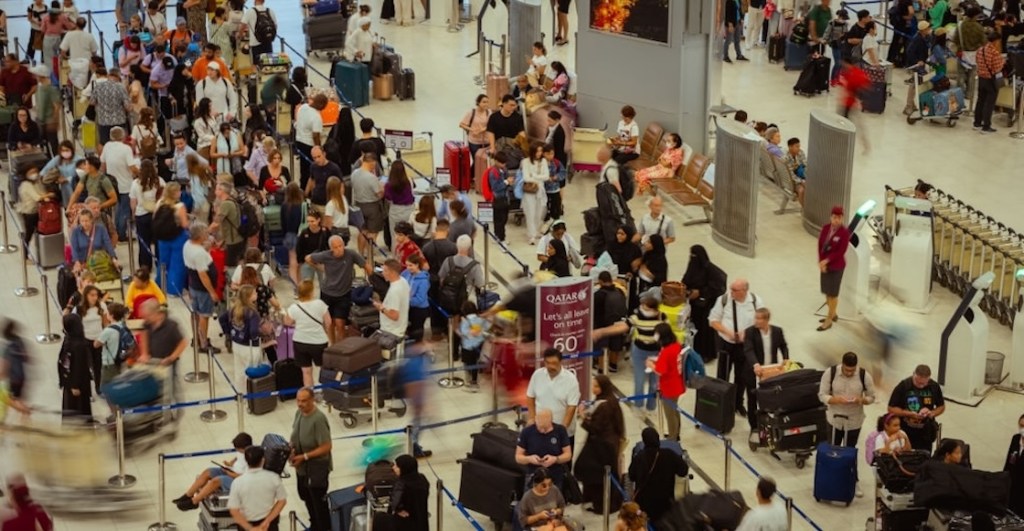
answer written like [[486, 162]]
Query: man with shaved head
[[730, 316], [336, 289], [544, 444]]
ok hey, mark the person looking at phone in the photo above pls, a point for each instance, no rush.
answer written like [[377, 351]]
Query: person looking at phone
[[217, 478], [543, 506]]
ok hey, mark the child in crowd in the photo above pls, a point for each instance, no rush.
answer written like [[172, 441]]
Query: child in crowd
[[891, 438], [473, 331], [499, 189], [217, 479], [419, 285], [554, 184], [796, 161]]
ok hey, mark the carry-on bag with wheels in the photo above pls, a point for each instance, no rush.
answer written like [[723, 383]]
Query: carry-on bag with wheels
[[776, 48], [353, 80], [456, 159], [835, 473], [265, 384], [276, 450], [716, 404], [796, 56], [352, 354], [815, 76]]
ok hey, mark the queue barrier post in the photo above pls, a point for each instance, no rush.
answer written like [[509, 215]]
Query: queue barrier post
[[439, 510], [481, 41], [789, 513], [47, 337], [604, 360], [606, 499], [487, 256], [5, 247], [728, 463], [240, 403], [293, 521], [659, 411], [409, 444], [213, 414], [373, 401], [163, 524], [25, 290], [163, 281], [449, 380], [122, 480], [196, 376]]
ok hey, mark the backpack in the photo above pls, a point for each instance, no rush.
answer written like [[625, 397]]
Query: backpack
[[127, 347], [50, 221], [454, 288], [165, 226], [67, 286], [717, 283], [248, 220], [834, 32], [148, 145], [627, 180], [691, 366], [799, 33], [869, 447], [266, 29]]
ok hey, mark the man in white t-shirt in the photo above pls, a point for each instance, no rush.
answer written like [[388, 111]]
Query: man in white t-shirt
[[220, 91], [258, 496], [249, 19], [120, 163], [155, 22], [394, 310], [202, 281], [309, 130], [359, 44], [655, 222], [769, 514], [78, 43], [555, 388]]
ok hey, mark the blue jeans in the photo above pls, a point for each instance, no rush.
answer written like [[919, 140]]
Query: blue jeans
[[640, 376], [733, 35], [837, 59], [121, 214]]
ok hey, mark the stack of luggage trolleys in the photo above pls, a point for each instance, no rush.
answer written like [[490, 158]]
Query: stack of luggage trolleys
[[790, 417], [966, 244]]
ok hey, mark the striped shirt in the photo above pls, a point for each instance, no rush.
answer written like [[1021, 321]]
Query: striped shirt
[[642, 325], [990, 61]]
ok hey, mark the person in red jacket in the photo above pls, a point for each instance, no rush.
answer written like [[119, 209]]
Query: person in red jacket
[[671, 385], [832, 243]]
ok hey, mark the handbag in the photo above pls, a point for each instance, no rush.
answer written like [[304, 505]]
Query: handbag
[[571, 490], [530, 187], [673, 293]]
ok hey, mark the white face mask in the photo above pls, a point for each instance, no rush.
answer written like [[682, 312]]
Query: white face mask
[[80, 172], [32, 176], [66, 154]]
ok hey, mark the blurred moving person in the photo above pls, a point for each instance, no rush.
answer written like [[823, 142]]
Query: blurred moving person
[[15, 358], [24, 513]]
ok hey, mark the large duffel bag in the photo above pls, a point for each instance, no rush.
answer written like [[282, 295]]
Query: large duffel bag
[[710, 510], [490, 490], [954, 487], [793, 391]]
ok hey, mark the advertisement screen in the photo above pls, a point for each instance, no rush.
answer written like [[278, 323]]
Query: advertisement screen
[[642, 19]]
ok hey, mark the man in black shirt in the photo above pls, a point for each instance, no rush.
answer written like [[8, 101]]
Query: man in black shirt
[[436, 251], [369, 142], [855, 36], [312, 240], [544, 444], [319, 171], [918, 401], [505, 125]]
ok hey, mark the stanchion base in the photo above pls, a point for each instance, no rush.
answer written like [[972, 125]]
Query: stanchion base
[[8, 249], [1017, 134], [197, 377], [451, 382], [163, 526], [26, 292], [121, 482], [47, 339], [213, 415], [492, 425]]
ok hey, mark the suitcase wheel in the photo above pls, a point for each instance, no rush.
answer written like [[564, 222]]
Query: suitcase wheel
[[801, 461], [349, 421], [754, 446], [951, 123]]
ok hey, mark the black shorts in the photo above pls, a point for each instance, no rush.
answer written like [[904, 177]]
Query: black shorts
[[563, 6], [233, 253], [340, 307], [307, 355]]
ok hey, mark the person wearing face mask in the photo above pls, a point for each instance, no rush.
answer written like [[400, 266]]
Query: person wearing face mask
[[669, 162], [65, 162], [30, 192], [1015, 466]]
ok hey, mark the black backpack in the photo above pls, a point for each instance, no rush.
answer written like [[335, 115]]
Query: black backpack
[[799, 34], [455, 287], [627, 180], [717, 282], [248, 219], [266, 29], [165, 227]]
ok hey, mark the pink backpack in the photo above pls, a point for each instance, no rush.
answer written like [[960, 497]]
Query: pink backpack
[[869, 447]]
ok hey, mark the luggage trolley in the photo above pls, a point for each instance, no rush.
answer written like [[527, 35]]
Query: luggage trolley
[[355, 402], [586, 142], [777, 435], [948, 111], [269, 65]]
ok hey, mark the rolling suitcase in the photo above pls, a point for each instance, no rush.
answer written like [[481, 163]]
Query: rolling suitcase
[[835, 473], [365, 317], [285, 348], [353, 81], [456, 158], [497, 86], [792, 391], [324, 7], [340, 504], [214, 513], [490, 490], [50, 250], [716, 404], [405, 85], [872, 98], [776, 48], [325, 32], [814, 78], [287, 375], [496, 446], [264, 405], [797, 430], [352, 354], [383, 87], [796, 56], [132, 388], [276, 451]]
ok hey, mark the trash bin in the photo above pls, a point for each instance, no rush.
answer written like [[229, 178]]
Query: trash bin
[[994, 367]]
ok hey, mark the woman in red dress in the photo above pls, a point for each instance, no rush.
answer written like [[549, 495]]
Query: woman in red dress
[[832, 243]]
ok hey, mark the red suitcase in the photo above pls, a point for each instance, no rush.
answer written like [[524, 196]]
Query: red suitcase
[[456, 159]]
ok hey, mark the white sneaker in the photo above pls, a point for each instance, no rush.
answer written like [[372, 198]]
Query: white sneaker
[[859, 493]]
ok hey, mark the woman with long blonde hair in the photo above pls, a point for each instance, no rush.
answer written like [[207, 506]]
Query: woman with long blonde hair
[[242, 322], [200, 182], [336, 210]]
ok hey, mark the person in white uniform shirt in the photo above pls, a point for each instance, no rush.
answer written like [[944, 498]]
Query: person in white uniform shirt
[[731, 315], [359, 44], [655, 222], [220, 91], [394, 310], [769, 514], [258, 496], [554, 388]]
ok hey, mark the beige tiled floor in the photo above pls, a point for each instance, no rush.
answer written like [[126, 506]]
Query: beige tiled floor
[[979, 169]]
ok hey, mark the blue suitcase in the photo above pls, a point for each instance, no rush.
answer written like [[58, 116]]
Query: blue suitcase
[[486, 299], [325, 7], [353, 81], [132, 388], [796, 56], [835, 473], [340, 503]]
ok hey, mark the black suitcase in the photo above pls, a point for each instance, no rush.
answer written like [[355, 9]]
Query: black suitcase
[[264, 405], [592, 245], [592, 220], [496, 446], [716, 404], [776, 48], [287, 375], [276, 450], [325, 32], [798, 430], [872, 99], [791, 391], [815, 76], [490, 490], [405, 84]]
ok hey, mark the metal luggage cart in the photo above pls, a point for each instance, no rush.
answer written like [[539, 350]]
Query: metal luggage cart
[[356, 405], [586, 142], [919, 113], [772, 437], [143, 431]]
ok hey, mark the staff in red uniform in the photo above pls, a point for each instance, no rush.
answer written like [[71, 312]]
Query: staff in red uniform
[[832, 243]]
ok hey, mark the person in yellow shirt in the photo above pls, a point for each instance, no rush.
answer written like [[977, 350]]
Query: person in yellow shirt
[[141, 288]]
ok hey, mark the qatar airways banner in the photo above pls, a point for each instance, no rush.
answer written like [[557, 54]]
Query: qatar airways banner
[[565, 321]]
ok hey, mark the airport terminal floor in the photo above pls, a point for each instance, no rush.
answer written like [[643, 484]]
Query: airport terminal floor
[[982, 170]]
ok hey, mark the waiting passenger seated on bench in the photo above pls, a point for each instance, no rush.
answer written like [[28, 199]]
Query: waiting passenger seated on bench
[[217, 479]]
